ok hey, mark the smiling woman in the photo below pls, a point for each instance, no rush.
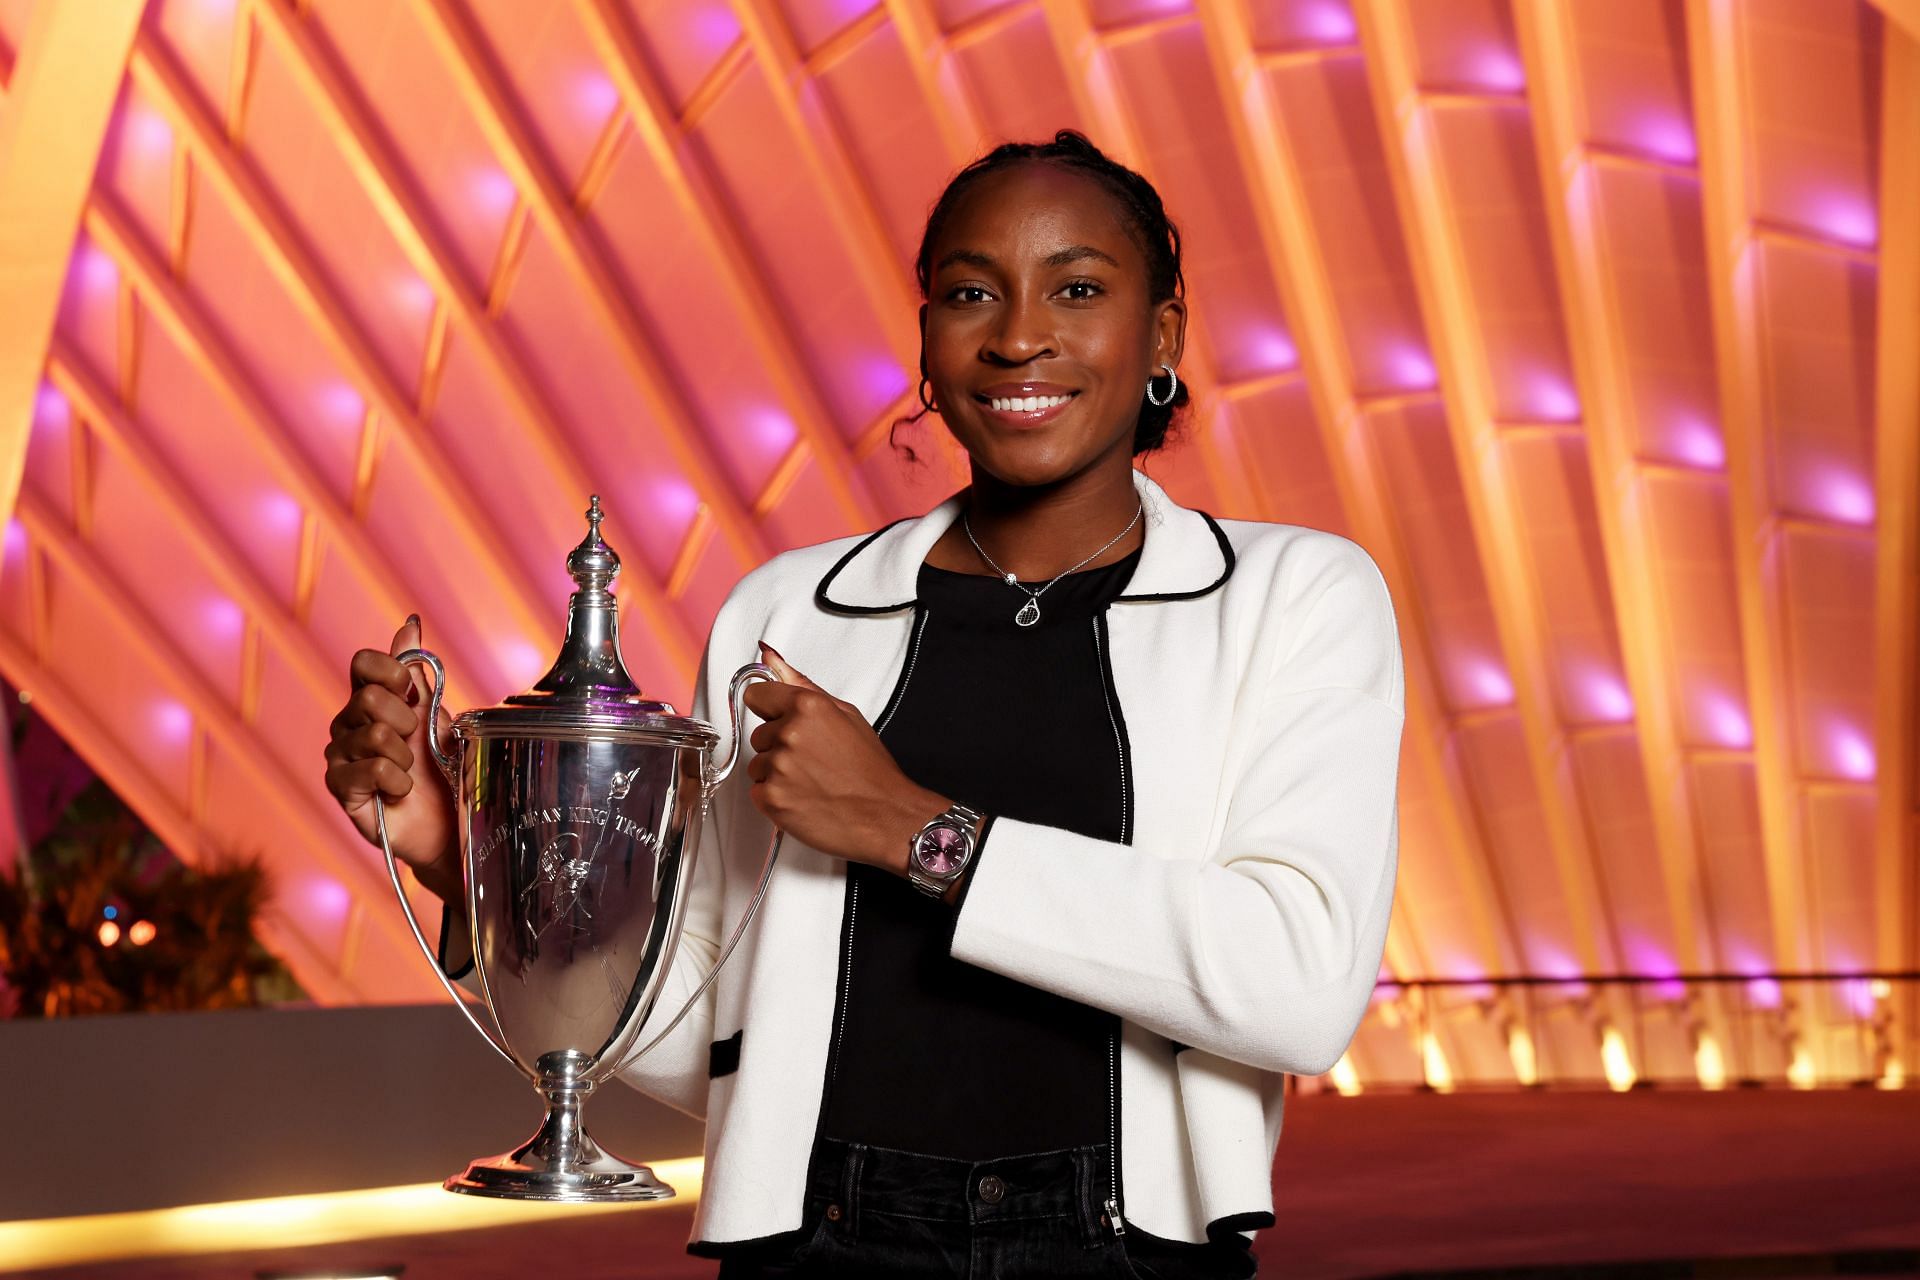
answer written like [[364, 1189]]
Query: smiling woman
[[1088, 801]]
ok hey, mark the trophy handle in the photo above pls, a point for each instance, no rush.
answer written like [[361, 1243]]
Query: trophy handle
[[450, 767], [736, 709], [736, 712]]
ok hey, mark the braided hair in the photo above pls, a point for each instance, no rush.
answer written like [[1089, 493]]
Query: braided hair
[[1146, 220]]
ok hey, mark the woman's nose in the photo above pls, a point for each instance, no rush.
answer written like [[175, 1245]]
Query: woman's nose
[[1022, 334]]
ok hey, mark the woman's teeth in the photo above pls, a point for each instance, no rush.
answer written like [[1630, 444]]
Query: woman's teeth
[[1027, 404]]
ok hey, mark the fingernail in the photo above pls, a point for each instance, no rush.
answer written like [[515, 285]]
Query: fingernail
[[767, 648], [413, 619]]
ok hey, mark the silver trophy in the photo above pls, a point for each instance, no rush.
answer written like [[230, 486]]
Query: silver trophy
[[580, 807]]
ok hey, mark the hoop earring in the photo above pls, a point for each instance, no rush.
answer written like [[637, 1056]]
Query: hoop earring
[[926, 402], [1175, 378]]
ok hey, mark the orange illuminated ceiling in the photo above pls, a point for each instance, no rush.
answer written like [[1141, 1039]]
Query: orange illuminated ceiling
[[1597, 323]]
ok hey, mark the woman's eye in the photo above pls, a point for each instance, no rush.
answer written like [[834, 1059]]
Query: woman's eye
[[1089, 285], [953, 295]]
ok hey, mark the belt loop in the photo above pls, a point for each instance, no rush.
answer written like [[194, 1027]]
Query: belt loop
[[1086, 1161], [850, 1189]]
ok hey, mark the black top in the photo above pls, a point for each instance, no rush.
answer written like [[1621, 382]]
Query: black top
[[932, 1054]]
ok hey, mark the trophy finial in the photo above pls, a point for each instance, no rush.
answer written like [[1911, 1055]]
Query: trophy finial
[[589, 665], [593, 563]]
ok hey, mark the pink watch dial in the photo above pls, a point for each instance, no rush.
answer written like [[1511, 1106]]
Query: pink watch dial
[[940, 850]]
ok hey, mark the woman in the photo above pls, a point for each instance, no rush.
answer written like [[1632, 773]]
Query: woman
[[1089, 802]]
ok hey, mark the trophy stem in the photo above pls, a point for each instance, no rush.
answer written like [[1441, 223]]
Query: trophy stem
[[561, 1161]]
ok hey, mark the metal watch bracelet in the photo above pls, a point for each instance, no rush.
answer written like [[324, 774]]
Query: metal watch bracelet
[[957, 817]]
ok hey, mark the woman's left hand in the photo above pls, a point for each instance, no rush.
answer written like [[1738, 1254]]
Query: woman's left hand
[[822, 774]]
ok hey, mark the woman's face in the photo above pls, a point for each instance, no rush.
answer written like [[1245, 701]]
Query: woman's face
[[1038, 291]]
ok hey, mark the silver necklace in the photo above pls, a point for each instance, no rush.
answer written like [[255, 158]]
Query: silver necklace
[[1030, 611]]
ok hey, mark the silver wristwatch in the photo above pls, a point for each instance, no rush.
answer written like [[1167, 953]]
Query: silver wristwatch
[[941, 850]]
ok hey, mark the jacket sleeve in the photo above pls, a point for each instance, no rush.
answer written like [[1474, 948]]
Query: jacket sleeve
[[1265, 949], [675, 1072]]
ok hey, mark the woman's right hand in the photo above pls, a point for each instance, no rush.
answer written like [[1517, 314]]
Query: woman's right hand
[[378, 743]]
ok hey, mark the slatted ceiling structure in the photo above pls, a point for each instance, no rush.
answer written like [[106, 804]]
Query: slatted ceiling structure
[[1594, 323]]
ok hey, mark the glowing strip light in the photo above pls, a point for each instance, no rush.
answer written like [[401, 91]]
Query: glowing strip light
[[285, 1222]]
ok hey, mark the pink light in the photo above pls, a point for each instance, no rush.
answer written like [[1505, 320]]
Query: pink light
[[1858, 993], [1499, 70], [328, 897], [522, 662], [280, 512], [343, 404], [1551, 962], [172, 722], [97, 270], [493, 190], [413, 293], [715, 28], [1697, 441], [50, 407], [224, 617], [1607, 698], [1764, 992], [1667, 138], [1328, 22], [1275, 351], [771, 431], [1649, 961], [1412, 368], [1553, 399], [1490, 682], [673, 499], [1852, 753], [1727, 721], [16, 540], [1848, 219], [884, 378], [595, 94], [1843, 495], [148, 132]]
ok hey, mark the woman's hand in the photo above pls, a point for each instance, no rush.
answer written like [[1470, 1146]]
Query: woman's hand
[[378, 743], [823, 775]]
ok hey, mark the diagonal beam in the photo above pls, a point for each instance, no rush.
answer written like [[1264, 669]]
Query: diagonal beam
[[511, 141], [61, 92], [85, 571], [68, 372], [713, 222], [1297, 268], [155, 71], [1096, 95], [1600, 371], [1446, 305], [194, 334], [381, 179], [1903, 14], [1897, 507], [847, 195], [942, 83], [1719, 97]]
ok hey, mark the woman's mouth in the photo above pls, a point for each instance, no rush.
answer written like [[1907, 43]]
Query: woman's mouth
[[1025, 411]]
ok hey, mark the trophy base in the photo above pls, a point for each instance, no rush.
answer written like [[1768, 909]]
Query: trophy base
[[610, 1180], [561, 1161]]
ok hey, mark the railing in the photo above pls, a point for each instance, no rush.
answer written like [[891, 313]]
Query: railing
[[1620, 1031]]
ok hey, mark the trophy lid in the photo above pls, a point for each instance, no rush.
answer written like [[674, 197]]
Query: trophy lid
[[587, 692]]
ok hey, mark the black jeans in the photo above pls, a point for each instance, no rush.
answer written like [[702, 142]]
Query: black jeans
[[874, 1211]]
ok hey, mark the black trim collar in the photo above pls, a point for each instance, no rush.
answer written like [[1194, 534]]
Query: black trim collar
[[1186, 555]]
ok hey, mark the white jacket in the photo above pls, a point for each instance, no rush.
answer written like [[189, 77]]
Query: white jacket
[[1259, 678]]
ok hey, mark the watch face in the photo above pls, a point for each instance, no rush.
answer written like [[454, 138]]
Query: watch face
[[941, 850]]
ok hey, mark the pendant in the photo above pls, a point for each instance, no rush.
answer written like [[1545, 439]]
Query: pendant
[[1029, 613]]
